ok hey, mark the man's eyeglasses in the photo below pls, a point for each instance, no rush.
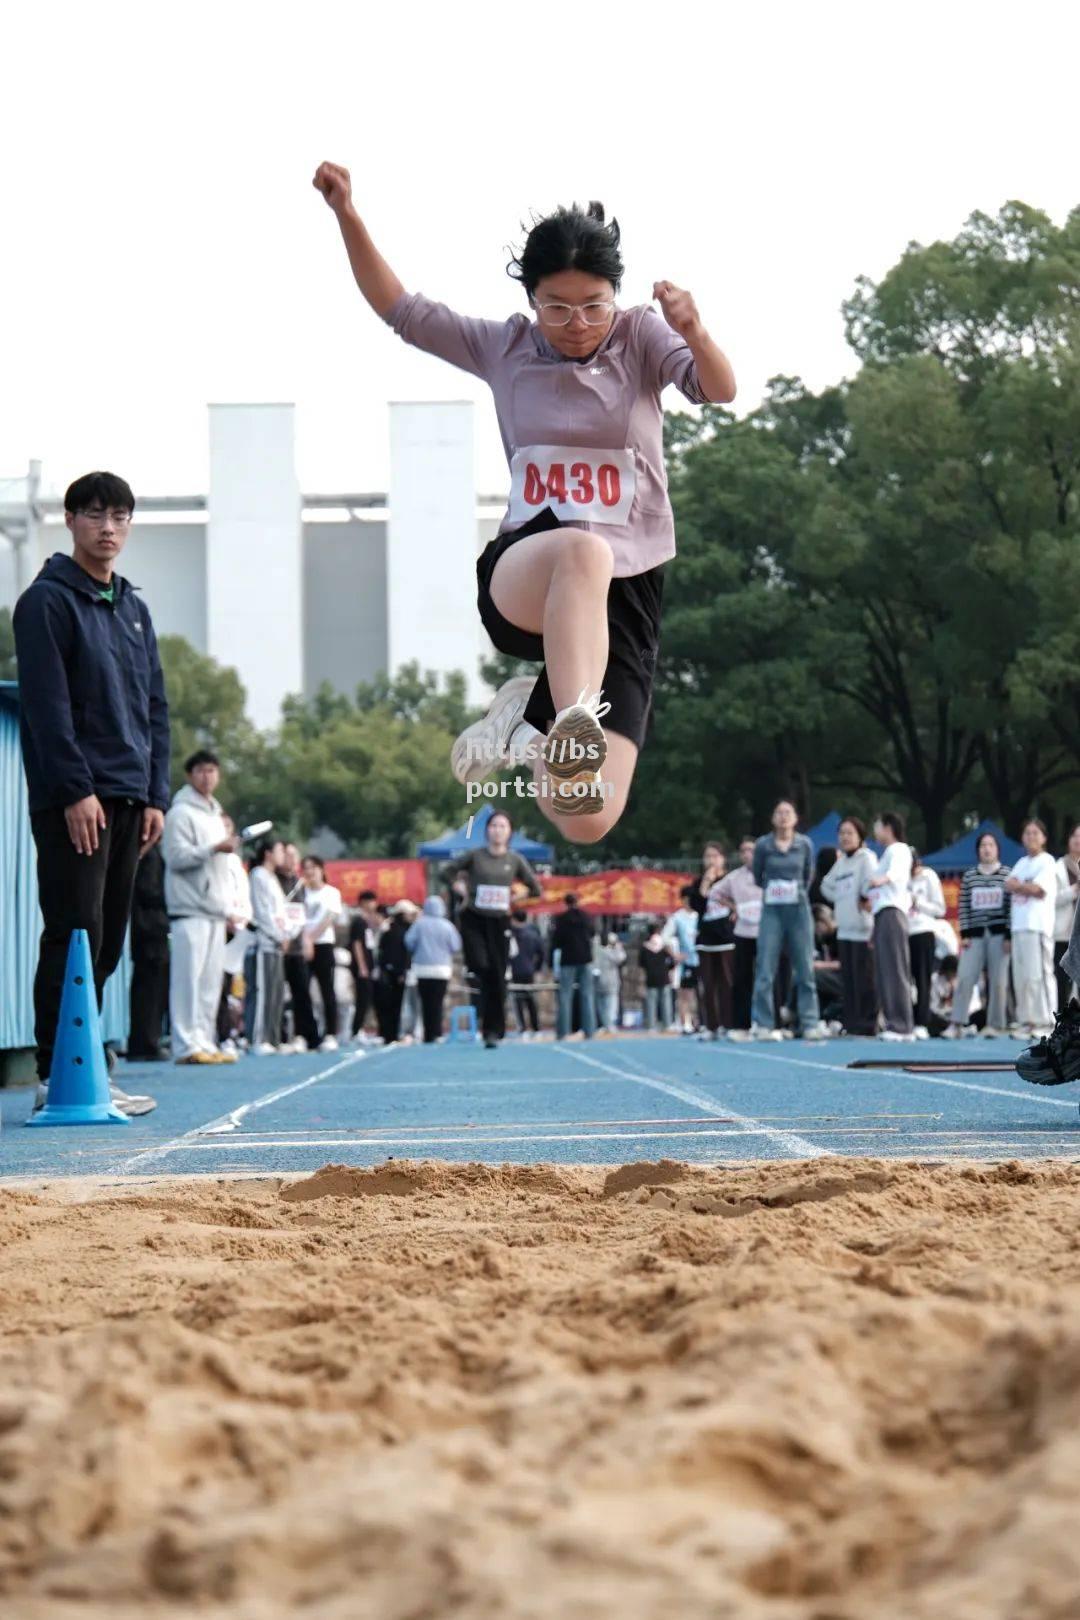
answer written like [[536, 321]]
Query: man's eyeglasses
[[119, 519], [596, 314]]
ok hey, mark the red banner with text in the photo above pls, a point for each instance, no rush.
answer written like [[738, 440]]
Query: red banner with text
[[390, 880], [614, 894]]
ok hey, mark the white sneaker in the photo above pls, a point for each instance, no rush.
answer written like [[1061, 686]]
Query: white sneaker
[[328, 1044], [298, 1044], [482, 750], [759, 1033], [265, 1049], [921, 1032], [989, 1033], [818, 1033], [892, 1035], [952, 1032], [134, 1105]]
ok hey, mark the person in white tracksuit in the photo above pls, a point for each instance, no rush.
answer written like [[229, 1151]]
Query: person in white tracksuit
[[196, 846]]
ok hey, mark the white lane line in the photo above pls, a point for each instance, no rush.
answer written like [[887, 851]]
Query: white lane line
[[1032, 1096], [798, 1146], [225, 1123], [245, 1144]]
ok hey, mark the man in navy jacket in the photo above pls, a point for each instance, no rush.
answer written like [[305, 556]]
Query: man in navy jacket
[[95, 740]]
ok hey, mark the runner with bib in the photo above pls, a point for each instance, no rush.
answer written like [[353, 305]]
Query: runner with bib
[[574, 578]]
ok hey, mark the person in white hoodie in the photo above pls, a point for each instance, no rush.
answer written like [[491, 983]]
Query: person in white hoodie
[[196, 846], [927, 907], [844, 886]]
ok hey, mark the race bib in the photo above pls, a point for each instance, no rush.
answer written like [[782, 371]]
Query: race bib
[[716, 907], [988, 899], [781, 892], [580, 486], [492, 897], [750, 911]]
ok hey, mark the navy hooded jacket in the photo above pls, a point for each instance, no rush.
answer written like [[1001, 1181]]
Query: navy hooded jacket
[[94, 715]]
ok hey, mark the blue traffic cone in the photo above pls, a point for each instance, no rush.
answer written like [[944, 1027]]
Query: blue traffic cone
[[79, 1079]]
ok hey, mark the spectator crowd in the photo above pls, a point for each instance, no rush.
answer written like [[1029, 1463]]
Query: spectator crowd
[[264, 956]]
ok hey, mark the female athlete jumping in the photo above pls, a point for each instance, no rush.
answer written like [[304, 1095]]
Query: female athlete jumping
[[574, 578]]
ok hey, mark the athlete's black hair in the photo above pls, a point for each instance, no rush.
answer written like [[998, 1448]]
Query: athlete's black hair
[[570, 900], [263, 848], [994, 839], [499, 811], [103, 489], [1033, 821], [316, 860], [201, 756], [894, 821], [569, 239]]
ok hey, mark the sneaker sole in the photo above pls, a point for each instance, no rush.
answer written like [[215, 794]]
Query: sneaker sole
[[584, 730], [466, 767], [581, 804]]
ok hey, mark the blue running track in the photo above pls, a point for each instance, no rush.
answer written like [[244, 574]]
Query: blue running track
[[601, 1102]]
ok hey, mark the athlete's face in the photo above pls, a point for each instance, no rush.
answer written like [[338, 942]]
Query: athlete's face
[[746, 850], [848, 838], [1074, 843], [784, 819], [99, 534], [578, 338], [1034, 839]]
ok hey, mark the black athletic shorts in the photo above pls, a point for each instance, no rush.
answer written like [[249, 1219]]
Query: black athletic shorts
[[633, 610]]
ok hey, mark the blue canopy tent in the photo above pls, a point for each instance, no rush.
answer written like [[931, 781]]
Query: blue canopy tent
[[825, 834], [959, 856], [461, 840]]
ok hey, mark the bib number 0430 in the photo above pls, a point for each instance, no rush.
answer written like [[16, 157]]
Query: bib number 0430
[[579, 485]]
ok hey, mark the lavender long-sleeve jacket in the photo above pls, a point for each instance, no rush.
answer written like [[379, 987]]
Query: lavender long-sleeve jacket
[[610, 401]]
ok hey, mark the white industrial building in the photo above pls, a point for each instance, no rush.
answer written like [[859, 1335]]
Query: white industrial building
[[295, 589]]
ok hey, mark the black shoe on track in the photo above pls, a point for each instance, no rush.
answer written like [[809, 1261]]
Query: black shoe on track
[[1054, 1060]]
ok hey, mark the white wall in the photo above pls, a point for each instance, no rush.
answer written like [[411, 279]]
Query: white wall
[[253, 555], [431, 558]]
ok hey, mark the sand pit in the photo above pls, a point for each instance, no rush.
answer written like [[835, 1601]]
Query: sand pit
[[833, 1391]]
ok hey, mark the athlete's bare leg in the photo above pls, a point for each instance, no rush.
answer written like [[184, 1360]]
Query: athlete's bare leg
[[556, 585]]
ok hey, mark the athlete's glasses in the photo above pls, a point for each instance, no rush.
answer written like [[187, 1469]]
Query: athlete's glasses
[[118, 519], [562, 314]]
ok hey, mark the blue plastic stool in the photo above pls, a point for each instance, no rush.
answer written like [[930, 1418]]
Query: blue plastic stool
[[462, 1030]]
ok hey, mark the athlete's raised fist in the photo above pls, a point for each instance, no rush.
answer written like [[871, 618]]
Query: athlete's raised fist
[[334, 183], [680, 311]]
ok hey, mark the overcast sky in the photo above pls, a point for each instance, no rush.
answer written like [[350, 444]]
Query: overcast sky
[[163, 246]]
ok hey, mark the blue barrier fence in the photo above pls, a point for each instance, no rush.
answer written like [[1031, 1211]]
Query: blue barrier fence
[[20, 917]]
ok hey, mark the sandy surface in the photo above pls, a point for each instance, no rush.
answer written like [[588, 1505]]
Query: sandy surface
[[832, 1391]]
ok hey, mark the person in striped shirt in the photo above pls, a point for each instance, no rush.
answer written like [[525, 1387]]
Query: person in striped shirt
[[985, 928]]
